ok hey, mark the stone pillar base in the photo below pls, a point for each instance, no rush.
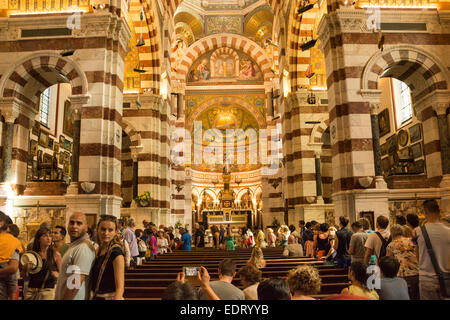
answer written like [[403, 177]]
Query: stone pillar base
[[380, 183], [72, 189], [316, 211], [351, 203], [445, 194], [93, 204]]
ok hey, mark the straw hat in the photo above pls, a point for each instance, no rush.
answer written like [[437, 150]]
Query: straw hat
[[34, 258]]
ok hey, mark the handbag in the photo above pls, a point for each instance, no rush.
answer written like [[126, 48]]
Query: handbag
[[36, 293], [444, 277]]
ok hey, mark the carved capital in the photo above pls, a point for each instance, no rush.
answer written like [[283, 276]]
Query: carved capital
[[374, 106], [76, 102], [440, 108], [11, 108], [135, 151]]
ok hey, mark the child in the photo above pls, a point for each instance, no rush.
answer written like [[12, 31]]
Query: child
[[309, 245], [14, 230], [10, 247], [392, 287], [358, 276], [162, 243]]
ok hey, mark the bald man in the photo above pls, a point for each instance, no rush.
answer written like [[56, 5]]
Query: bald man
[[73, 280]]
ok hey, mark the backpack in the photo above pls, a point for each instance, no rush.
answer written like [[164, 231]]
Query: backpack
[[142, 246], [384, 244]]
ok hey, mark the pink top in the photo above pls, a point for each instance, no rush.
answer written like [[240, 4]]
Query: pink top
[[153, 242]]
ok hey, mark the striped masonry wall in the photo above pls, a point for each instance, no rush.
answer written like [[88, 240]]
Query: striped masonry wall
[[150, 120], [301, 30], [98, 70], [303, 142], [350, 128], [149, 57]]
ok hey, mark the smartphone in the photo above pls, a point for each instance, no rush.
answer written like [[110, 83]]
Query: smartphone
[[191, 271]]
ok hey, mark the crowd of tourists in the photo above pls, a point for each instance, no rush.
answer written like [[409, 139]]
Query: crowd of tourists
[[412, 259], [399, 261]]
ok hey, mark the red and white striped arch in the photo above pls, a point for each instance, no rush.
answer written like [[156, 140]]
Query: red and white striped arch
[[35, 68]]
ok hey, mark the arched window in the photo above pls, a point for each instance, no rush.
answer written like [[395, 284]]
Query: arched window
[[402, 102], [44, 107]]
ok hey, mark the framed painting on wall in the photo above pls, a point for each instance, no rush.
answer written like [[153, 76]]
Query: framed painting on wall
[[67, 120], [47, 158], [68, 145], [36, 128], [51, 141], [383, 122], [417, 150], [33, 147], [369, 215], [43, 139], [384, 149], [402, 138], [415, 132], [392, 143]]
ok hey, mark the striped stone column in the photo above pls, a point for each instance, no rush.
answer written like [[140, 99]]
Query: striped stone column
[[15, 139], [76, 104], [7, 139], [135, 151], [441, 112], [350, 124], [319, 191]]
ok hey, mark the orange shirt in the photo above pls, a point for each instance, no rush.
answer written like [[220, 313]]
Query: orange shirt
[[8, 244]]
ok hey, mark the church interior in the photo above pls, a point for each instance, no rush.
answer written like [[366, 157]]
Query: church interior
[[242, 112]]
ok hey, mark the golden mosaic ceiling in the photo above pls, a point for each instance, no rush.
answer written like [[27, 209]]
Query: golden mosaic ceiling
[[193, 20], [257, 19]]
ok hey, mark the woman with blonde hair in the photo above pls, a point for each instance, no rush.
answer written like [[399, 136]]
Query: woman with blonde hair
[[284, 233], [260, 239], [108, 270], [304, 281], [271, 238], [257, 258]]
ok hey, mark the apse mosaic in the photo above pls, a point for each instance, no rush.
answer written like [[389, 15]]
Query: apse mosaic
[[254, 100], [224, 65], [227, 117], [222, 118]]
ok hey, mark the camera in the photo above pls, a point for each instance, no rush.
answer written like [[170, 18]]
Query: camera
[[191, 271]]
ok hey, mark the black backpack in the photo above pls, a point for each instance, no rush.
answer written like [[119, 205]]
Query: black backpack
[[384, 244]]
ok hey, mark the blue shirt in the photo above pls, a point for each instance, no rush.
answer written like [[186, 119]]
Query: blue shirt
[[186, 239]]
